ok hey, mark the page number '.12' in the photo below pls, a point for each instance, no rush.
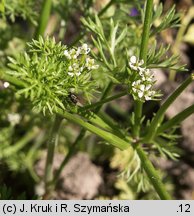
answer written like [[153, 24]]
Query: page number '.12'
[[184, 208]]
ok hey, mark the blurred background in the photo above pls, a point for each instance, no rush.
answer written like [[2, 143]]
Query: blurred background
[[95, 170]]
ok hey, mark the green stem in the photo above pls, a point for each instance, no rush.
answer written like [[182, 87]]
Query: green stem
[[109, 137], [186, 19], [176, 119], [40, 139], [160, 114], [98, 121], [152, 175], [81, 135], [122, 144], [138, 114], [104, 95], [106, 8], [116, 130], [102, 102], [50, 155], [20, 144], [147, 165], [71, 152], [143, 55], [8, 78], [146, 31], [44, 17]]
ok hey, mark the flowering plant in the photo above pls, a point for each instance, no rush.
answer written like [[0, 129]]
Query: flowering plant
[[49, 78], [52, 72]]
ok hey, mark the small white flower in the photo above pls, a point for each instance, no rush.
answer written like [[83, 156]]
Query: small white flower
[[70, 68], [135, 64], [85, 48], [73, 53], [6, 84], [94, 67], [133, 59], [74, 70], [141, 71], [14, 118], [148, 87], [149, 79], [90, 64], [147, 97], [66, 53], [77, 66], [147, 72], [141, 62], [132, 63], [78, 73], [81, 69], [140, 94], [142, 87], [136, 83], [70, 74], [78, 52]]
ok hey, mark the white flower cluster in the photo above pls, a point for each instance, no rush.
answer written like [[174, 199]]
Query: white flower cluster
[[141, 87], [77, 66]]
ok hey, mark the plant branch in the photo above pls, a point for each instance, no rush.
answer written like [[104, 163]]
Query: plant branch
[[152, 175], [146, 163], [81, 135], [122, 144], [8, 78], [20, 144], [146, 31], [43, 19], [177, 119], [143, 55], [106, 7], [71, 152], [102, 102], [160, 114], [109, 137], [186, 19], [52, 141]]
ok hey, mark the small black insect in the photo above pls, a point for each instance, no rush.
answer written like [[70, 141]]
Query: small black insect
[[74, 99]]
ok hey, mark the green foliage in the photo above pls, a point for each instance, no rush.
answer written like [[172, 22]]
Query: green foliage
[[106, 41], [21, 8], [170, 19], [49, 75], [53, 77], [161, 58], [109, 41], [2, 6], [132, 178]]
